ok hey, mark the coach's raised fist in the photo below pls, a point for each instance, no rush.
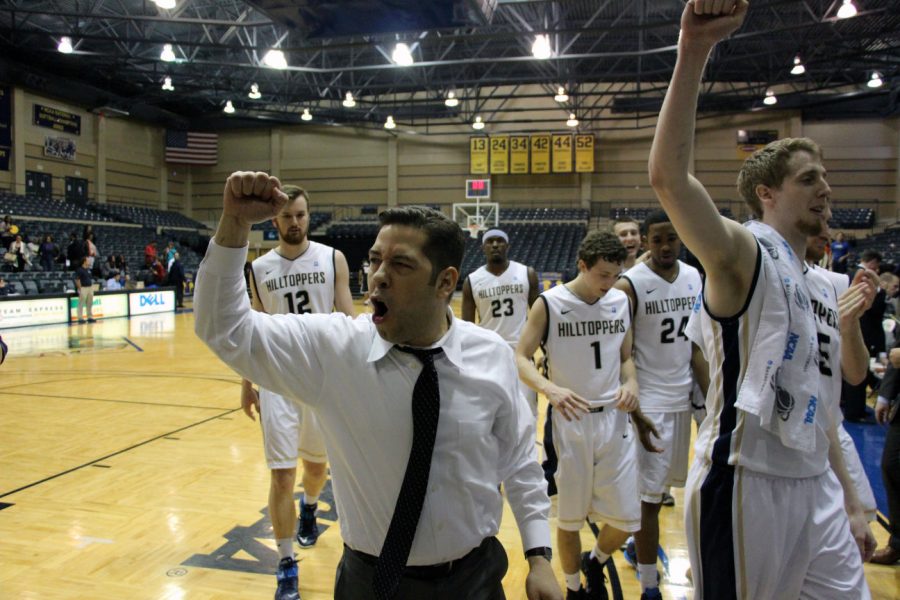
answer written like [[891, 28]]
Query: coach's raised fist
[[252, 197]]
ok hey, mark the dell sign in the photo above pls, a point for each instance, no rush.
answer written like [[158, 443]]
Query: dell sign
[[151, 301]]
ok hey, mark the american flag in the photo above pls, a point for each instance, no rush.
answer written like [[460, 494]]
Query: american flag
[[191, 147]]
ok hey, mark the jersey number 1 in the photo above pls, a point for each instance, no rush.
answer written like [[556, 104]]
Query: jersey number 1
[[302, 302]]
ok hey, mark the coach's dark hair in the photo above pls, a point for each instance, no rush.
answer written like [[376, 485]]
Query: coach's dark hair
[[654, 218], [445, 242], [295, 191], [601, 245]]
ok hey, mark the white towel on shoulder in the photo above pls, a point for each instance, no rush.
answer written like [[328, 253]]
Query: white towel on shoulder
[[781, 383]]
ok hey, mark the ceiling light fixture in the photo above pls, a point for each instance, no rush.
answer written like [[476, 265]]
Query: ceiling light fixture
[[254, 92], [402, 55], [167, 54], [847, 10], [229, 107], [306, 116], [275, 59], [541, 47], [65, 45], [478, 124], [770, 98], [561, 95], [389, 124], [166, 4], [572, 122], [798, 68], [451, 100], [875, 80], [349, 102], [167, 85]]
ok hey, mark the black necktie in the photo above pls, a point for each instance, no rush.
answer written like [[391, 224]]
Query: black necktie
[[426, 407]]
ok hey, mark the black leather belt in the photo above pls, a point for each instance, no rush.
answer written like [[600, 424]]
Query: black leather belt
[[596, 409], [437, 571]]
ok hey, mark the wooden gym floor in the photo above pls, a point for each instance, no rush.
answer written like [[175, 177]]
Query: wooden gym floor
[[127, 470]]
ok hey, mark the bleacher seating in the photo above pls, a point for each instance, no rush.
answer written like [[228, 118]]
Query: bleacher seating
[[148, 217], [48, 208], [852, 218], [513, 215]]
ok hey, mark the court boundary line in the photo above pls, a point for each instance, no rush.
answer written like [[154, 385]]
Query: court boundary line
[[111, 400], [116, 453]]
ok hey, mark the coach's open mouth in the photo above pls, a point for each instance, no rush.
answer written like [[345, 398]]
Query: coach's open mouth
[[379, 310]]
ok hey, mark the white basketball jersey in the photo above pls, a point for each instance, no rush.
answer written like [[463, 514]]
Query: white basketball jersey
[[662, 351], [302, 285], [502, 300], [583, 342], [824, 288]]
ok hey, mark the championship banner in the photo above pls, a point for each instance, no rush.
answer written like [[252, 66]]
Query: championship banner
[[5, 126], [478, 155], [518, 154], [54, 118], [584, 153], [749, 142], [499, 155], [540, 153], [63, 148], [561, 149]]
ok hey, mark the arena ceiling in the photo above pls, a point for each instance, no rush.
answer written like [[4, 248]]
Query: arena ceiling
[[613, 57]]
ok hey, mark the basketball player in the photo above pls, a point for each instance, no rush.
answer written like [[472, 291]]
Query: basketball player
[[584, 328], [628, 231], [837, 284], [298, 276], [764, 513], [501, 291], [661, 292]]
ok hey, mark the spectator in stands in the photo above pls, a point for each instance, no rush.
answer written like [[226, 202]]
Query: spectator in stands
[[150, 254], [7, 234], [840, 250], [114, 282], [853, 397], [5, 289], [85, 285], [170, 254], [158, 272], [121, 265], [176, 279], [890, 283], [88, 230], [19, 249], [108, 267], [48, 251], [91, 251], [75, 252]]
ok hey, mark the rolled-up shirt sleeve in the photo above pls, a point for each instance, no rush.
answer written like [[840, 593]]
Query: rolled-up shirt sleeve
[[278, 352], [522, 476]]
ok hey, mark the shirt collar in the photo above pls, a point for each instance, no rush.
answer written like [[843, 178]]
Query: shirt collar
[[450, 343]]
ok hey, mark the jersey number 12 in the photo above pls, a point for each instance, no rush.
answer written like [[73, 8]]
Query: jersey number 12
[[302, 302]]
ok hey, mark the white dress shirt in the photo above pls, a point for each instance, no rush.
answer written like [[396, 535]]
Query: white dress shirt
[[360, 388]]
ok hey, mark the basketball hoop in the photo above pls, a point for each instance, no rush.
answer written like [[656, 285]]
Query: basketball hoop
[[473, 230]]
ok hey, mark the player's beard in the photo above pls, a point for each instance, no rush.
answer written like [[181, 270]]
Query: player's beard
[[288, 237]]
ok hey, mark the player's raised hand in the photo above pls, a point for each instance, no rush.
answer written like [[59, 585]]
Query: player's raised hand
[[711, 21], [569, 404], [252, 197]]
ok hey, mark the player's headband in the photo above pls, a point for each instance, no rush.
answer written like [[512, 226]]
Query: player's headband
[[492, 233]]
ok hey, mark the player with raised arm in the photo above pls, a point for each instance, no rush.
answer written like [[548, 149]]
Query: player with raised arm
[[765, 515]]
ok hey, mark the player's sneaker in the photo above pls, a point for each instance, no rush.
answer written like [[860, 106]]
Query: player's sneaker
[[596, 578], [287, 575], [651, 594], [630, 553], [668, 499], [307, 528]]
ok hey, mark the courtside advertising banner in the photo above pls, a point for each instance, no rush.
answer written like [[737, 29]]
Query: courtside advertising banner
[[104, 307], [151, 301], [39, 311]]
